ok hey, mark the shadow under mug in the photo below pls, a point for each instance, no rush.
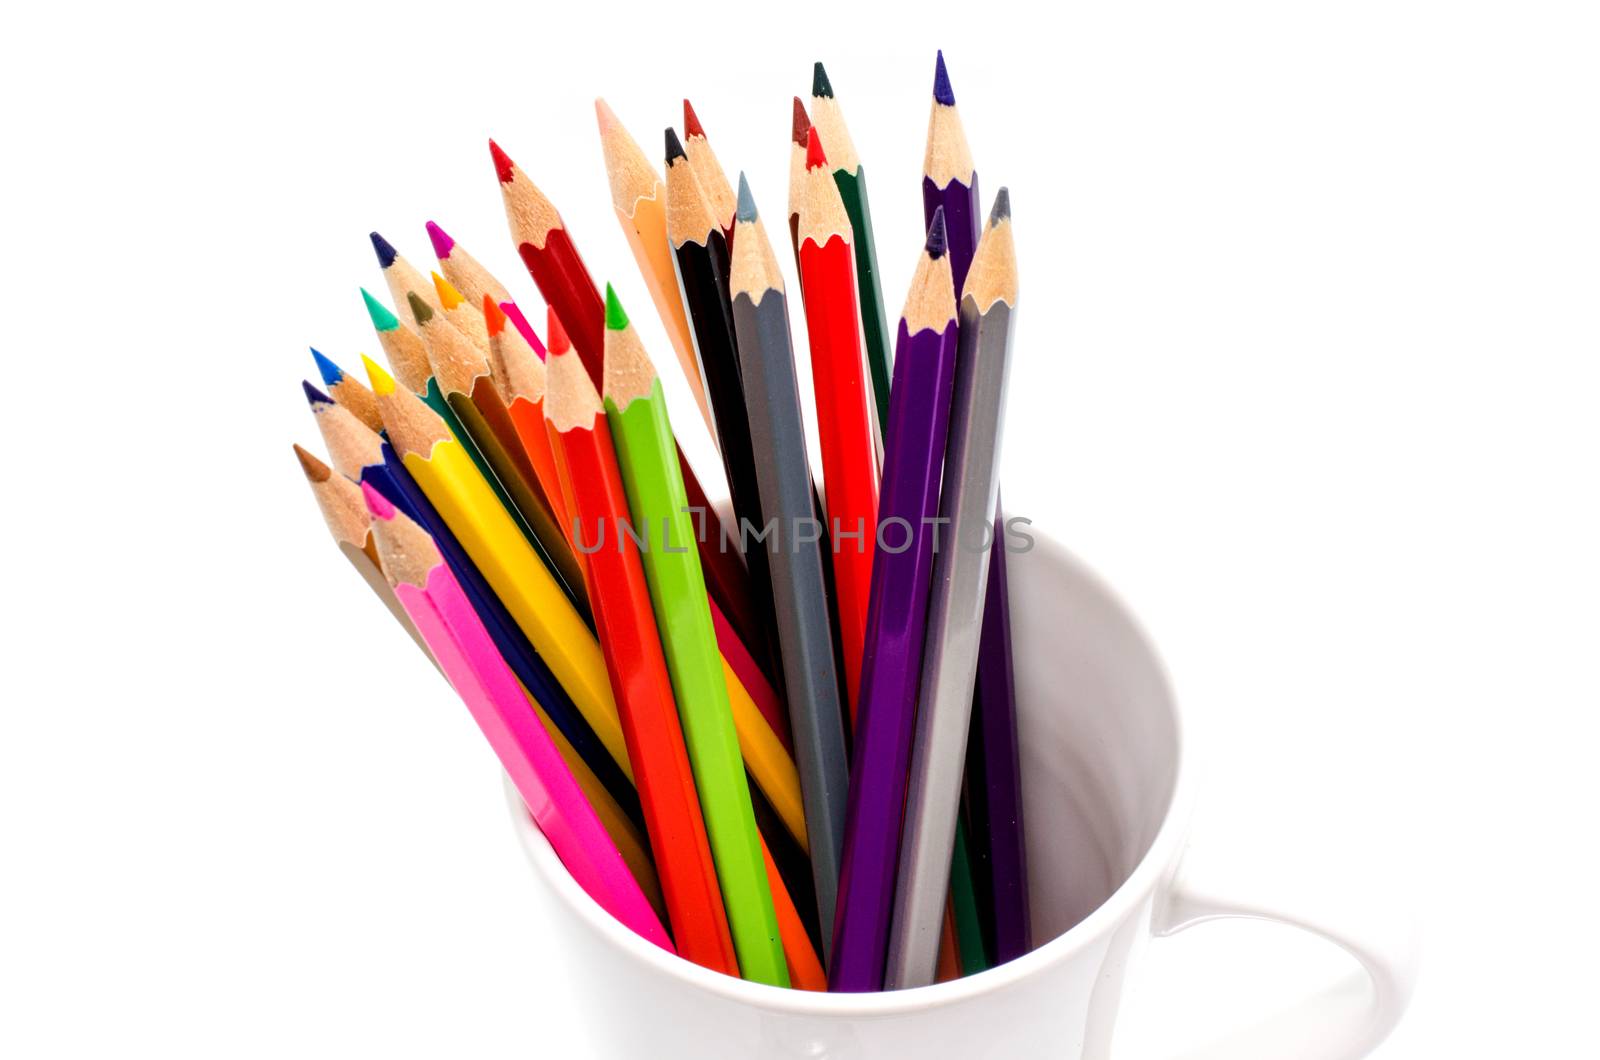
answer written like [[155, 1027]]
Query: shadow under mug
[[1106, 799]]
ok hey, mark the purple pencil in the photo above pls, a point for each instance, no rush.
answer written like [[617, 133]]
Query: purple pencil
[[993, 787], [897, 614]]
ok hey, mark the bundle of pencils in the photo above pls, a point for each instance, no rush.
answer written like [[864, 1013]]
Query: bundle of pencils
[[783, 747]]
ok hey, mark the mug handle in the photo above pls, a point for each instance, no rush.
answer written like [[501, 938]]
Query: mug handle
[[1342, 1022]]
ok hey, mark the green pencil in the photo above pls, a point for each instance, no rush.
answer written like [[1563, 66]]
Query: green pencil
[[647, 457], [851, 180]]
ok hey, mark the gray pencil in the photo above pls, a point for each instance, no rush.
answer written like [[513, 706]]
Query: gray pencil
[[805, 642], [955, 617]]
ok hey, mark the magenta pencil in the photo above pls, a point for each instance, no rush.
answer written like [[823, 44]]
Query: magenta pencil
[[455, 635]]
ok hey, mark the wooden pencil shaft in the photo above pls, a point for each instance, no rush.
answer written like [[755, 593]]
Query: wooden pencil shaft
[[799, 594], [372, 574], [393, 481], [654, 485], [950, 658], [564, 281], [546, 538], [875, 326], [642, 688], [892, 659]]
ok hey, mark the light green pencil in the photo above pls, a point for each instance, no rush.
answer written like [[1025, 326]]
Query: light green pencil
[[636, 408]]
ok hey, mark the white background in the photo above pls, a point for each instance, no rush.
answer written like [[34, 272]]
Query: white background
[[1307, 368]]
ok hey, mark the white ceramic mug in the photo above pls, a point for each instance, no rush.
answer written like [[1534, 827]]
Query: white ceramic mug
[[1106, 794]]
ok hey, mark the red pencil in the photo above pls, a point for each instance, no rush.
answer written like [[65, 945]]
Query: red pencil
[[625, 621], [553, 262], [844, 400]]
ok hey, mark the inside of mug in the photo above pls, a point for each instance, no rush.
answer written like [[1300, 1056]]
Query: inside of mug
[[1098, 736]]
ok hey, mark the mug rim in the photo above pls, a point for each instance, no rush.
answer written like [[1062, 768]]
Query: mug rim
[[1157, 861]]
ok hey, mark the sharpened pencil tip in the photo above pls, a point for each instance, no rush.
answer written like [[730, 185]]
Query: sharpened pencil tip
[[556, 340], [814, 153], [494, 318], [616, 319], [503, 166], [382, 382], [332, 374], [820, 85], [449, 297], [420, 311], [1002, 207], [674, 146], [386, 253], [315, 470], [382, 319], [691, 122], [800, 125], [604, 115], [938, 240], [377, 503], [942, 93], [442, 243], [747, 203], [314, 396]]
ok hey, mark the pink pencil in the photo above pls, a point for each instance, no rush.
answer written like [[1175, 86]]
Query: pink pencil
[[452, 630]]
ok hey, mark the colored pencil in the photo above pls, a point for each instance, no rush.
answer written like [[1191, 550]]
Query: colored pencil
[[402, 347], [457, 639], [552, 260], [700, 251], [637, 666], [799, 136], [350, 392], [639, 198], [949, 178], [518, 371], [497, 548], [925, 350], [843, 401], [462, 374], [647, 460], [993, 788], [707, 170], [851, 177], [466, 317], [361, 455], [766, 358], [955, 614], [343, 510], [744, 665], [462, 269], [401, 276]]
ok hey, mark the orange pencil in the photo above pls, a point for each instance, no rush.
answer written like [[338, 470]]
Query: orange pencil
[[592, 486]]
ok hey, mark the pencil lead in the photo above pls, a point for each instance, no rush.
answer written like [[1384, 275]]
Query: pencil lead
[[605, 116], [747, 202], [616, 319], [419, 309], [820, 86], [449, 297], [942, 92], [556, 340], [442, 243], [691, 122], [503, 166], [314, 396], [494, 318], [938, 239], [332, 374], [814, 154], [1002, 207], [382, 319], [674, 147], [382, 382], [315, 470], [800, 125], [377, 503], [386, 253]]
